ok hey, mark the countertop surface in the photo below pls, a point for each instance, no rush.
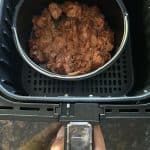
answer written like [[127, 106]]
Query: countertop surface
[[126, 134]]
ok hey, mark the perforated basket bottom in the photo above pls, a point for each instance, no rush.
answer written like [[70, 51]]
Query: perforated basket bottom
[[115, 81]]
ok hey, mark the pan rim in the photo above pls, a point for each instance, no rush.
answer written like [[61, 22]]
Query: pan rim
[[43, 71]]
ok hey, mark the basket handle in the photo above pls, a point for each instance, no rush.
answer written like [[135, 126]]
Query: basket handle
[[79, 136]]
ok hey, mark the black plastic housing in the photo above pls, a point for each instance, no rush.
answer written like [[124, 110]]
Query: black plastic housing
[[20, 83]]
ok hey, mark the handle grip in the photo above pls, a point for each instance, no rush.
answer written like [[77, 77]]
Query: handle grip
[[79, 136]]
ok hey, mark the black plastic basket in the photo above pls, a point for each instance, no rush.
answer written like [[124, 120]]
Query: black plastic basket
[[126, 81]]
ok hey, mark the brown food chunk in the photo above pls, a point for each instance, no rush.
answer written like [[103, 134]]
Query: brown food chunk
[[72, 9], [77, 44], [55, 10]]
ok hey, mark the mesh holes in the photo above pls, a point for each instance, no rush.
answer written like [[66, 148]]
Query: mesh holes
[[113, 82]]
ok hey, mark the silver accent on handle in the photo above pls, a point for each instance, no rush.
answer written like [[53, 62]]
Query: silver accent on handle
[[79, 136]]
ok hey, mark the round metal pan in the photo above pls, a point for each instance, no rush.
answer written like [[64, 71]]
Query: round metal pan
[[114, 12]]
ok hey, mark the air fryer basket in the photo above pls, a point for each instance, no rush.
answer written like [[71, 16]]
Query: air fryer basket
[[19, 82], [115, 14]]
